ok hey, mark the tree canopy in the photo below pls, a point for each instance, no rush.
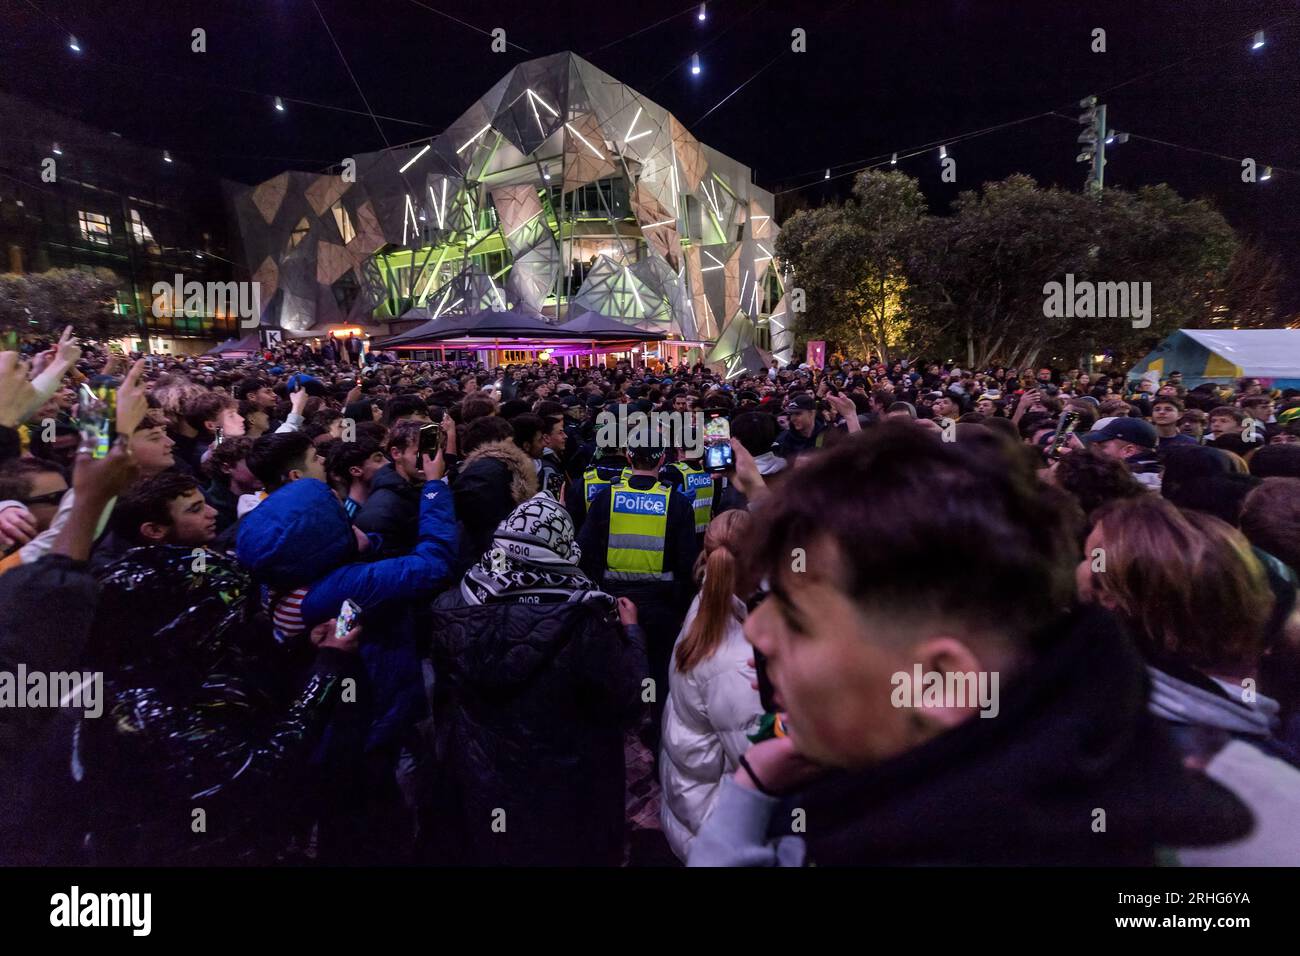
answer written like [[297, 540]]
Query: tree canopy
[[880, 273], [42, 303]]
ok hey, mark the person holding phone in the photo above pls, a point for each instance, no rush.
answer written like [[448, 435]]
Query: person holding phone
[[393, 505]]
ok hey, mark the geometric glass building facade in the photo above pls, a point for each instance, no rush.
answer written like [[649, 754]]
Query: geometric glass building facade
[[560, 191]]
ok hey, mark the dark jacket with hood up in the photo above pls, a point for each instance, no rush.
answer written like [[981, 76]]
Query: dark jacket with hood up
[[530, 707], [392, 511], [493, 479]]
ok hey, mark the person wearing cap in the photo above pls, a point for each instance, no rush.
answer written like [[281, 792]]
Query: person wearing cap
[[1131, 440], [638, 541], [1166, 412], [806, 431]]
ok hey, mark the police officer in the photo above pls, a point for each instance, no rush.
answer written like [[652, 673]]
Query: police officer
[[687, 474], [608, 466], [639, 542]]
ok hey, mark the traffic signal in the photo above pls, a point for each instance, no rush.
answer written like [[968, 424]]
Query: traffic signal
[[1093, 140]]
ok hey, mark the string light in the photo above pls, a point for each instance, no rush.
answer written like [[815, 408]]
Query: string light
[[1259, 41], [279, 104], [703, 14], [73, 45], [695, 64]]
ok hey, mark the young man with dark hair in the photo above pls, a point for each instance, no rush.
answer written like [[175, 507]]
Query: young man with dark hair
[[351, 467], [165, 509], [229, 479], [393, 506], [1166, 413], [406, 407], [278, 459], [539, 437], [257, 391], [35, 484], [213, 416], [1225, 421], [883, 676]]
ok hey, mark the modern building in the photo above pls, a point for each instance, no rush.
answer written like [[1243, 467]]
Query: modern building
[[561, 191], [76, 197]]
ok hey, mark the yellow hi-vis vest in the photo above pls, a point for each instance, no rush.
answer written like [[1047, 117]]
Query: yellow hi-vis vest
[[698, 485], [638, 523], [592, 483]]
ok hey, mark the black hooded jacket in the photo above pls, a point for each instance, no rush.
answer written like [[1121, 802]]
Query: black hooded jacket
[[1073, 748], [530, 707], [393, 511]]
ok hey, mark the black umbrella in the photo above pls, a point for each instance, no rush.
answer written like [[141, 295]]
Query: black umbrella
[[604, 328]]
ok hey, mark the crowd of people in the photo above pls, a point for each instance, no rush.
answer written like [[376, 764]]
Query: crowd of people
[[351, 609]]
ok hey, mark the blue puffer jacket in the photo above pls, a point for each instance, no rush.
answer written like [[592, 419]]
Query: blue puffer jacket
[[301, 534]]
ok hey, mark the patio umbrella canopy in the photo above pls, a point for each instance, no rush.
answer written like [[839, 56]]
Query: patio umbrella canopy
[[604, 328]]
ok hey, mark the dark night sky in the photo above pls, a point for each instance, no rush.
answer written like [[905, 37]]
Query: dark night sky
[[879, 75]]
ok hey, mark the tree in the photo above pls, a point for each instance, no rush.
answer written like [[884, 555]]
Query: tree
[[1248, 296], [977, 282], [977, 278], [849, 260], [42, 303]]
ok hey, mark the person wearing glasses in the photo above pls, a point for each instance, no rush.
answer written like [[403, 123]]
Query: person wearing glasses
[[34, 486]]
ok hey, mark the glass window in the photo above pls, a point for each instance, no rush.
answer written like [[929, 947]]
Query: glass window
[[95, 228], [344, 222], [139, 231], [299, 232]]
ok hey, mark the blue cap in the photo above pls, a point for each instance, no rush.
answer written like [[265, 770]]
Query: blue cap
[[1134, 430]]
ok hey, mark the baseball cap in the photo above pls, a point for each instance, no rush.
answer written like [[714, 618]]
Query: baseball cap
[[1133, 430], [803, 402]]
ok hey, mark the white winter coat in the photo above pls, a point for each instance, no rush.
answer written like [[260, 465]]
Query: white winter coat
[[709, 713]]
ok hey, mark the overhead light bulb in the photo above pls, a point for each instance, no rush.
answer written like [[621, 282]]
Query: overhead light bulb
[[943, 152], [279, 104], [546, 171], [828, 173], [1268, 174], [893, 160], [167, 157], [1259, 40], [695, 64], [703, 14], [56, 150], [73, 45]]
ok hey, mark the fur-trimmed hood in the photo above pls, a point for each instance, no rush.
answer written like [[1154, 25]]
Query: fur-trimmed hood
[[523, 470]]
